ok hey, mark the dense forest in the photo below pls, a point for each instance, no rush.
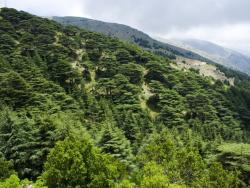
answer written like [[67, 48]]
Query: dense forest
[[81, 109], [124, 32]]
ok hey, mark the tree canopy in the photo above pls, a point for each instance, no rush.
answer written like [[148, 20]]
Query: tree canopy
[[81, 109]]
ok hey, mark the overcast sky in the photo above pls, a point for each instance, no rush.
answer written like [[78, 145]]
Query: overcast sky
[[225, 22]]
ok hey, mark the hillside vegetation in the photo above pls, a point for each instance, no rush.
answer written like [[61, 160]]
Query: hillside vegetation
[[80, 109], [124, 32]]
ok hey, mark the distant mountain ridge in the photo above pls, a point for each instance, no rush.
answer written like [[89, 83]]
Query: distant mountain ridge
[[217, 53], [112, 29], [193, 49], [130, 34]]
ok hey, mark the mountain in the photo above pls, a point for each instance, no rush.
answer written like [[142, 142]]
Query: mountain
[[216, 53], [130, 34], [82, 109], [191, 48]]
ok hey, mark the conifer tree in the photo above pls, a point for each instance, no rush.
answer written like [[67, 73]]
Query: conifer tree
[[114, 142]]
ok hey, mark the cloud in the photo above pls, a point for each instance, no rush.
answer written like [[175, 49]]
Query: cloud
[[162, 15], [50, 7], [235, 36], [223, 21], [152, 15]]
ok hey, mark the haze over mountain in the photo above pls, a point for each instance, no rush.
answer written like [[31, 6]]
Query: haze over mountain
[[129, 34], [187, 48], [216, 53]]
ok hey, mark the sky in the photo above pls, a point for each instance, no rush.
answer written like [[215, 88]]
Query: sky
[[225, 22]]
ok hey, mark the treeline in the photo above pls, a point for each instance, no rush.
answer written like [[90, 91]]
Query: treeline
[[80, 109]]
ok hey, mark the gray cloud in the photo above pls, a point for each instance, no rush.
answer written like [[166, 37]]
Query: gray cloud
[[204, 19], [49, 7], [163, 15]]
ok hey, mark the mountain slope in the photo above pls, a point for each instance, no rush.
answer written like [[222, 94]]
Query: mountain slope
[[219, 54], [129, 34], [81, 109]]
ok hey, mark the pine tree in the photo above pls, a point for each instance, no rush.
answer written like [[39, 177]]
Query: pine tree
[[114, 142]]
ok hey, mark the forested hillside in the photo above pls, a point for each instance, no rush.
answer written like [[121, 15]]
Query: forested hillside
[[80, 109], [130, 34]]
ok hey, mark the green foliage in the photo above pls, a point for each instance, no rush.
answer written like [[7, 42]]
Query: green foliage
[[133, 71], [222, 178], [235, 148], [107, 68], [12, 182], [153, 125], [132, 35], [94, 50], [118, 90], [27, 141], [126, 184], [235, 155], [75, 162], [6, 168], [173, 111], [14, 90], [153, 176], [114, 142], [183, 163], [8, 44], [123, 56], [63, 73]]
